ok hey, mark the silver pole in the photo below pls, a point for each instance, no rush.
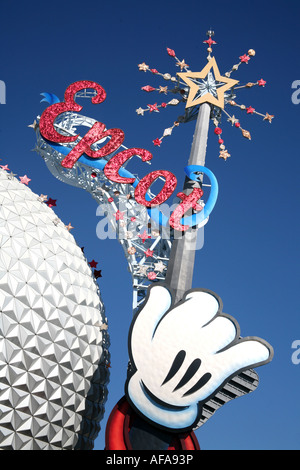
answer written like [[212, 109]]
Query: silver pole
[[182, 257]]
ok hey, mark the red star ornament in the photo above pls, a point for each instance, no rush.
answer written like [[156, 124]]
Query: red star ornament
[[97, 273], [51, 202], [153, 107], [24, 179], [119, 215], [157, 142], [210, 42], [144, 236], [250, 110], [261, 82], [93, 264], [148, 253], [244, 58]]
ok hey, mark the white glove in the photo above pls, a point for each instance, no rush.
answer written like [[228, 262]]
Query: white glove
[[182, 355]]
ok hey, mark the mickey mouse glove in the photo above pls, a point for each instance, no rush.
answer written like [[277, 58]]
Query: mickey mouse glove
[[181, 355]]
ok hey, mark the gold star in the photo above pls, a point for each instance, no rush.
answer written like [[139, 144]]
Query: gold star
[[233, 120], [224, 154], [142, 270], [181, 64], [160, 267], [42, 198], [140, 111], [69, 227], [163, 89], [268, 117], [143, 67], [34, 125], [207, 97]]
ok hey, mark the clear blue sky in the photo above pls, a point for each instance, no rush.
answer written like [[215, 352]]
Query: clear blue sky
[[251, 251]]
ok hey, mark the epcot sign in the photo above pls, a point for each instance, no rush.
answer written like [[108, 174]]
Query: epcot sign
[[113, 166]]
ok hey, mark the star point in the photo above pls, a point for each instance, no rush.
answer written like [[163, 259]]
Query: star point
[[157, 142], [159, 266], [149, 253], [24, 179], [209, 41], [268, 117], [181, 64], [119, 215], [93, 263], [42, 198], [97, 273], [144, 236], [244, 58], [261, 82], [232, 119], [142, 270], [69, 227], [163, 89], [143, 67], [140, 111], [34, 125], [250, 110], [224, 154], [51, 202], [153, 107]]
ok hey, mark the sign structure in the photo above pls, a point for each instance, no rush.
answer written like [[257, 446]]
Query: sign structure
[[184, 351]]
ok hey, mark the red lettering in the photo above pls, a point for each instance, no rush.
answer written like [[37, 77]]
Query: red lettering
[[48, 117], [113, 166], [91, 137], [146, 182], [188, 202]]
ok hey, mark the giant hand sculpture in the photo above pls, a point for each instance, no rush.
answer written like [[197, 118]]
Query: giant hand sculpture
[[183, 354]]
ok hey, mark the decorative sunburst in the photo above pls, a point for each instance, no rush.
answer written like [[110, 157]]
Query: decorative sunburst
[[195, 88]]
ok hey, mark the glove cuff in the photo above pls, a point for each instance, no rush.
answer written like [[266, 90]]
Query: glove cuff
[[168, 417]]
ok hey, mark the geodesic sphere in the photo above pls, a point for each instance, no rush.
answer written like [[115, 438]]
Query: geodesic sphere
[[53, 338]]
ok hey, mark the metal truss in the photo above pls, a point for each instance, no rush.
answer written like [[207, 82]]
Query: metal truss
[[134, 229]]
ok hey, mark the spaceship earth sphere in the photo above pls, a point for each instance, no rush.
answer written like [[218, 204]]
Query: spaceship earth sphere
[[53, 331]]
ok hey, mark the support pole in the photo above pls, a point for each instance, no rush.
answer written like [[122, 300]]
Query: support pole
[[182, 257], [179, 275]]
